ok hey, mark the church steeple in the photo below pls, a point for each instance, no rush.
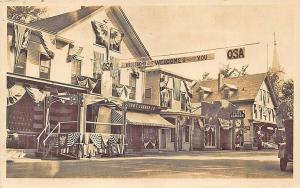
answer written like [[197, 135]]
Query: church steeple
[[276, 67]]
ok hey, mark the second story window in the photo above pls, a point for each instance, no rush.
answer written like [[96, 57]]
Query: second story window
[[148, 93], [20, 65], [45, 63], [75, 70], [183, 101], [132, 85]]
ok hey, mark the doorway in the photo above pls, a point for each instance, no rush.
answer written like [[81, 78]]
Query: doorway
[[163, 139]]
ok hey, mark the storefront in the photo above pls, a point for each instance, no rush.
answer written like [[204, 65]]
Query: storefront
[[188, 134], [25, 111], [146, 130]]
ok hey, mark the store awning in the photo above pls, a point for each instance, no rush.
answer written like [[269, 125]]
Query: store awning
[[138, 118]]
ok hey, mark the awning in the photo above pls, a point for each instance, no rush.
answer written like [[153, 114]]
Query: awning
[[138, 118]]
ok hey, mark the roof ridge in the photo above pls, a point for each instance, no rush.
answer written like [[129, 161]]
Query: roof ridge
[[90, 9]]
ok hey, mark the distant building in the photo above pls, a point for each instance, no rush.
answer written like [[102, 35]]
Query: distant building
[[251, 94], [173, 93]]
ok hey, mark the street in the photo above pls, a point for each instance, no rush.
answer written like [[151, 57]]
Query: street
[[205, 164]]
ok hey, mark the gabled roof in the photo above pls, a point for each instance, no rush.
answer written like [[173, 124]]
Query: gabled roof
[[247, 87], [60, 22]]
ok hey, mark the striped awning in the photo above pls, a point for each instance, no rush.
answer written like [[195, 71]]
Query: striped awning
[[138, 118]]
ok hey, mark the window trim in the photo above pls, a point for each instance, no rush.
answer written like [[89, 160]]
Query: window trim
[[149, 98], [42, 53], [186, 128], [15, 63]]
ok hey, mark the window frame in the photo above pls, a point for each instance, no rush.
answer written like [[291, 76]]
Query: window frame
[[150, 90], [186, 134], [40, 66], [17, 64], [173, 134]]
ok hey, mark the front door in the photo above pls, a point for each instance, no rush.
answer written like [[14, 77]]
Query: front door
[[136, 138], [163, 139]]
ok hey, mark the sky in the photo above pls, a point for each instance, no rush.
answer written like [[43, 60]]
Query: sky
[[177, 29]]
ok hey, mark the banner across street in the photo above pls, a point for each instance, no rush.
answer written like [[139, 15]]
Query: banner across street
[[176, 60]]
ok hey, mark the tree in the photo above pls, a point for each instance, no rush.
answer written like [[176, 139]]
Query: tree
[[25, 14], [228, 71], [284, 92]]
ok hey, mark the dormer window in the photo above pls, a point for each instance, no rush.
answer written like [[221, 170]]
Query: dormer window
[[203, 93], [226, 93], [228, 90]]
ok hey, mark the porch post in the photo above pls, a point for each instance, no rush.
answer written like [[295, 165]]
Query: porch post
[[82, 117], [124, 110]]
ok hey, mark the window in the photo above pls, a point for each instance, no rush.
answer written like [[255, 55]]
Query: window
[[172, 134], [226, 93], [169, 104], [269, 113], [132, 84], [183, 101], [44, 66], [187, 134], [255, 111], [260, 112], [76, 67], [210, 137], [20, 64], [148, 93], [201, 95]]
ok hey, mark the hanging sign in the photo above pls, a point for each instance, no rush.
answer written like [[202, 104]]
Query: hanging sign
[[236, 53], [237, 114], [142, 107], [169, 61]]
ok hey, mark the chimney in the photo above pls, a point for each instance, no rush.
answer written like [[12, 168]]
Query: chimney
[[220, 81]]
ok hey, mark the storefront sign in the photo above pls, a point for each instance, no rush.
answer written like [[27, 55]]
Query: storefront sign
[[142, 107], [177, 60], [237, 114], [236, 53]]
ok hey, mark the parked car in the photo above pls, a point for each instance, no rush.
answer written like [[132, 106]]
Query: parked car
[[285, 152]]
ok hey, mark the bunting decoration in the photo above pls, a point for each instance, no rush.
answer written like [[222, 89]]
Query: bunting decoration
[[121, 91], [116, 38], [225, 124], [14, 93], [74, 53], [36, 94], [97, 61], [97, 140], [48, 43], [21, 37], [101, 32], [87, 82]]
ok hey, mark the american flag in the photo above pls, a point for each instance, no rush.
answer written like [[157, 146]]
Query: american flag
[[21, 38]]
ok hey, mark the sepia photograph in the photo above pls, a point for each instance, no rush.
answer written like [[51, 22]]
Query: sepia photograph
[[149, 91]]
